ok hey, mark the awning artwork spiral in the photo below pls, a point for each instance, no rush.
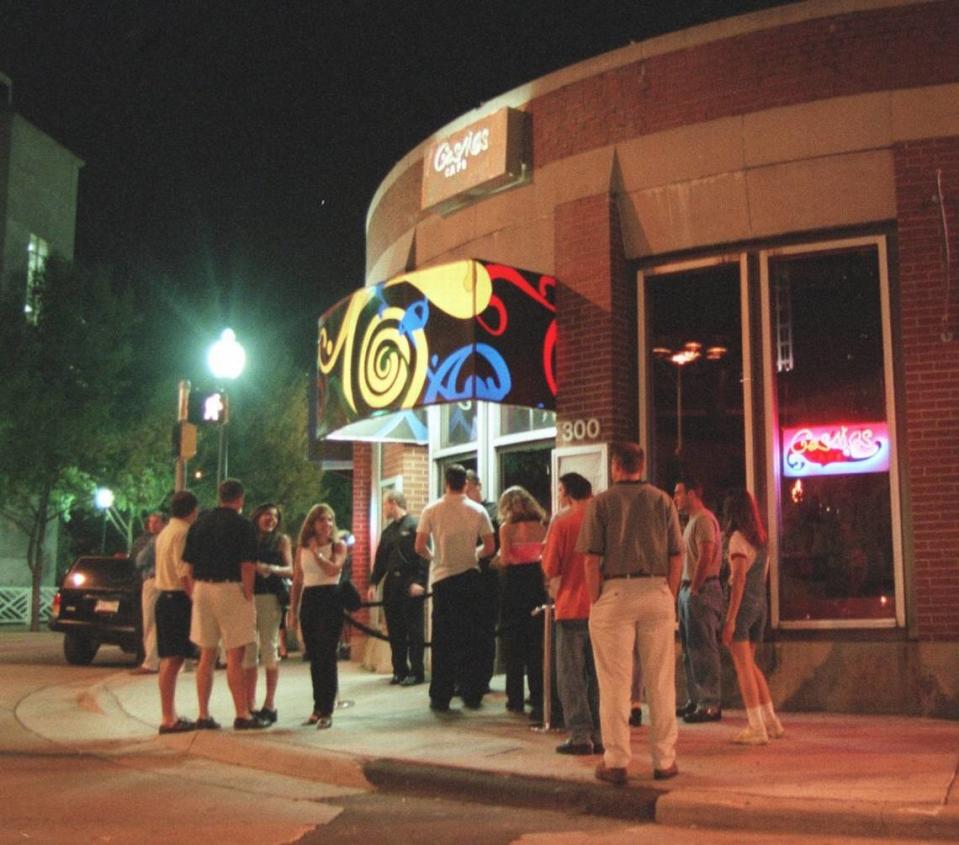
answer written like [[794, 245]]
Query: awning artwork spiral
[[467, 330]]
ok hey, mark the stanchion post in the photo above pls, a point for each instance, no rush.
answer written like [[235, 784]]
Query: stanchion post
[[547, 611]]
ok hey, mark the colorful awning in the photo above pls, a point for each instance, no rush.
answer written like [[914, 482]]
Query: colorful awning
[[468, 330]]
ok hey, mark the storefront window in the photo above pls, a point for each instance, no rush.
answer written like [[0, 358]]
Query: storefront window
[[528, 467], [835, 544], [457, 424], [516, 419], [695, 377]]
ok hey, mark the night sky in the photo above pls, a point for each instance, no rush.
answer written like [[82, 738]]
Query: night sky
[[232, 149]]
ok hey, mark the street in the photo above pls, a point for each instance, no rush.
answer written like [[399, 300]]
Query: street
[[135, 789]]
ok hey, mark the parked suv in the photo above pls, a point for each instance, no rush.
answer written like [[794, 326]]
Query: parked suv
[[98, 602]]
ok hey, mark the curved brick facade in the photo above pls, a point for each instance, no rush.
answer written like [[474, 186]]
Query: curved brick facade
[[812, 120]]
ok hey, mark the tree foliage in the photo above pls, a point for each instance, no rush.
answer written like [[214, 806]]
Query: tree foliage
[[68, 374]]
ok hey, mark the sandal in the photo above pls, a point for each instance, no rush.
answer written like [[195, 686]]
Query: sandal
[[314, 718]]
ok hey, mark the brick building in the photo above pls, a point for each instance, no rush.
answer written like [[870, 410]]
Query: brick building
[[750, 234]]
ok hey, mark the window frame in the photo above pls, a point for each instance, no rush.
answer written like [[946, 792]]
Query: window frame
[[772, 440]]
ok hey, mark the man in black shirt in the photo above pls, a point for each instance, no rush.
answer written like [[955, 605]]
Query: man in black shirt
[[405, 574], [221, 557]]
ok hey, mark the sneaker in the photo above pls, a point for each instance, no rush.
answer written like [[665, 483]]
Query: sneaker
[[775, 729], [412, 681], [266, 715], [611, 774], [249, 723], [751, 737], [207, 723]]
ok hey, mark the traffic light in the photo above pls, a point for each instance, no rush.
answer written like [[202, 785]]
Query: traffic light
[[184, 441], [210, 408]]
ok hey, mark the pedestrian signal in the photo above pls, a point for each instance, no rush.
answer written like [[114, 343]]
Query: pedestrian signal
[[208, 408]]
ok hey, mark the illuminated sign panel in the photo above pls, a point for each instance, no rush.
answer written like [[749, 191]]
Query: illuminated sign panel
[[482, 157], [836, 449], [462, 331]]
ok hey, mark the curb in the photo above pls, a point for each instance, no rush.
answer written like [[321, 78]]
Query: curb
[[734, 811], [629, 803]]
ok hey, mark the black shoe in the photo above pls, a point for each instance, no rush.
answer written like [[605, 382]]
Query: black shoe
[[578, 748], [515, 708], [266, 715], [685, 710], [599, 748], [536, 714], [439, 706], [636, 717], [412, 680], [712, 713], [207, 723], [251, 723], [472, 703], [666, 774], [396, 679]]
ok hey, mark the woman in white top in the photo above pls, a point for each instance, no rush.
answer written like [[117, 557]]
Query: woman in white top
[[316, 572], [746, 615]]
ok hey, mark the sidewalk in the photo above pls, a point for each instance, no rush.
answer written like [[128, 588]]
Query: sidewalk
[[845, 775]]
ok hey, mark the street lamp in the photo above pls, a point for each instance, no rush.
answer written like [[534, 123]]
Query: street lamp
[[226, 360], [103, 500], [688, 353]]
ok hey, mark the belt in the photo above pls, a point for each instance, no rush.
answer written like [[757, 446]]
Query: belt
[[626, 575], [686, 582], [218, 580]]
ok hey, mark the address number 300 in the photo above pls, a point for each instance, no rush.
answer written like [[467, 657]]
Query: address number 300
[[580, 429]]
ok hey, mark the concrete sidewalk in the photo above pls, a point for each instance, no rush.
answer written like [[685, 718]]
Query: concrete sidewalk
[[837, 774]]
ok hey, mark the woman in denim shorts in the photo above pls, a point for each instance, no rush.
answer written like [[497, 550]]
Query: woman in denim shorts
[[745, 539]]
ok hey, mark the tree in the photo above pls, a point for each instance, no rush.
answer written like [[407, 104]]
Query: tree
[[70, 375]]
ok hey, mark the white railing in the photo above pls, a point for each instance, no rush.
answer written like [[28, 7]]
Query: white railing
[[15, 605]]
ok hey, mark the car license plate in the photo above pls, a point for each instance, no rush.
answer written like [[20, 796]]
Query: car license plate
[[106, 606]]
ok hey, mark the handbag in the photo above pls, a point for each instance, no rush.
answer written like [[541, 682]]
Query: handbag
[[348, 596]]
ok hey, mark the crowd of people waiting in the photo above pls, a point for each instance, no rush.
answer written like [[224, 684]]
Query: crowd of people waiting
[[619, 567]]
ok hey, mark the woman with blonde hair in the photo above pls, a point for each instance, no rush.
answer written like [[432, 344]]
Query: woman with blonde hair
[[521, 535], [316, 572], [746, 614]]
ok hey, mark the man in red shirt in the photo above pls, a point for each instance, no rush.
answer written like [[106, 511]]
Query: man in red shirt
[[575, 671]]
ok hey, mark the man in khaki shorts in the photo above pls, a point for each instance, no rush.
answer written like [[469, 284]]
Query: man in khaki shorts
[[221, 556]]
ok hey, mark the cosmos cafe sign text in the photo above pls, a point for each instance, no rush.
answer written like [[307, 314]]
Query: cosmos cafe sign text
[[475, 160], [835, 449]]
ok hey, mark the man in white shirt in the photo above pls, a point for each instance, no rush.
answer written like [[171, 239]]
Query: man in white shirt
[[173, 607], [455, 523]]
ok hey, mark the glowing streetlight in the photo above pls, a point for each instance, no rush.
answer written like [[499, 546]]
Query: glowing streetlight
[[103, 501], [688, 353], [226, 357], [226, 360]]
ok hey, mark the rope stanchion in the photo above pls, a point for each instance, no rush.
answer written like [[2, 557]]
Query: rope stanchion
[[547, 611]]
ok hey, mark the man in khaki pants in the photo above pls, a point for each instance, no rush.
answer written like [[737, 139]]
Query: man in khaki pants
[[634, 556]]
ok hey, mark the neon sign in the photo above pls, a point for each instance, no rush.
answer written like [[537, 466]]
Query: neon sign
[[837, 449]]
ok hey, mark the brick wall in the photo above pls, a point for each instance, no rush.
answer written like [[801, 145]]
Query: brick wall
[[862, 52], [411, 462], [596, 320], [931, 377]]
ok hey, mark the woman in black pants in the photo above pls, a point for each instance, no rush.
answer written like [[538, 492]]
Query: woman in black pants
[[316, 572], [521, 534]]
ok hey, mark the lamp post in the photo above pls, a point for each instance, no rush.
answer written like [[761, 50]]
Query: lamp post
[[103, 500], [226, 360], [688, 353]]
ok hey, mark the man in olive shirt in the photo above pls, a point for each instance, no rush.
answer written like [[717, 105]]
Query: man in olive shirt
[[633, 549], [221, 557]]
